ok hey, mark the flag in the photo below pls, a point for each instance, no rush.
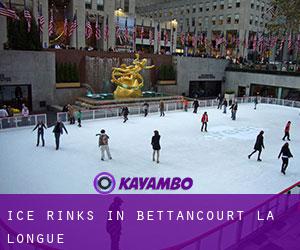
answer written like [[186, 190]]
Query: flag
[[106, 30], [282, 43], [261, 43], [255, 42], [182, 38], [97, 30], [88, 28], [290, 44], [158, 36], [118, 31], [126, 34], [41, 19], [166, 36], [134, 35], [273, 41], [151, 34], [298, 41], [73, 26], [27, 17], [65, 25], [194, 39], [4, 11], [142, 32], [220, 40], [51, 23]]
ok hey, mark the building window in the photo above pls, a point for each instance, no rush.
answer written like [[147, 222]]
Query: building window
[[201, 8], [221, 20], [213, 20], [256, 21], [251, 20], [229, 19], [236, 18], [262, 7], [261, 24], [193, 21], [238, 3], [100, 4], [126, 6], [206, 22], [252, 4], [207, 6], [182, 11], [187, 22], [200, 21], [229, 4], [194, 8], [257, 5], [215, 5], [222, 5], [88, 4], [118, 4]]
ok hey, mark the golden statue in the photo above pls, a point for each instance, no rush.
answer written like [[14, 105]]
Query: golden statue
[[128, 79]]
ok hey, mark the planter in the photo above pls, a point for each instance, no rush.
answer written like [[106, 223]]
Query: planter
[[229, 97], [166, 82]]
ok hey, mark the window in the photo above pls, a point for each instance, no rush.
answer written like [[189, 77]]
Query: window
[[229, 19], [193, 21], [194, 8], [222, 5], [200, 21], [236, 18], [213, 20], [207, 6], [256, 21], [215, 5], [261, 24], [238, 3], [229, 4], [100, 4], [126, 6], [251, 20], [262, 7], [188, 10], [88, 4], [252, 4], [257, 5], [187, 22], [182, 11], [206, 22], [201, 8], [221, 20], [118, 4]]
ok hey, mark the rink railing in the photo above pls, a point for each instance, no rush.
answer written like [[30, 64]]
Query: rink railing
[[221, 237], [113, 111], [21, 121]]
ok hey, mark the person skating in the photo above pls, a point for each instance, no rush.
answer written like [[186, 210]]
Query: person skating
[[79, 117], [204, 121], [286, 154], [162, 108], [185, 105], [146, 109], [259, 145], [155, 142], [255, 102], [103, 144], [219, 99], [40, 132], [125, 113], [287, 131], [71, 113], [58, 131], [234, 108], [195, 106], [225, 104]]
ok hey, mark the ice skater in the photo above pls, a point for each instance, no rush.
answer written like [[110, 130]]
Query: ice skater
[[286, 154], [125, 113], [162, 108], [58, 131], [255, 102], [287, 131], [219, 99], [234, 108], [71, 113], [185, 105], [103, 144], [259, 145], [204, 121], [146, 109], [156, 145], [225, 104], [195, 106], [40, 132], [79, 117]]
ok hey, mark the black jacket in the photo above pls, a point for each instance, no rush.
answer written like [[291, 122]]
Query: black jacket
[[285, 152], [125, 111], [259, 144], [225, 103], [155, 142], [59, 127], [40, 127], [196, 104]]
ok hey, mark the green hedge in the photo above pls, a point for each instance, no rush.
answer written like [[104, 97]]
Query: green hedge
[[67, 72], [167, 72]]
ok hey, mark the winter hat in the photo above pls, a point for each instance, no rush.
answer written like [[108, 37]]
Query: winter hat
[[102, 131]]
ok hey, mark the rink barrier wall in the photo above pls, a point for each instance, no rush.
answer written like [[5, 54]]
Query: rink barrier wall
[[21, 121], [115, 110], [221, 237]]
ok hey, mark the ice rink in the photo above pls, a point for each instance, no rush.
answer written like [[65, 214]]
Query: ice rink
[[217, 161]]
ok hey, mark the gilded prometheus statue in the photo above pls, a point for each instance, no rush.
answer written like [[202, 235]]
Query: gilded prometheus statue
[[128, 79]]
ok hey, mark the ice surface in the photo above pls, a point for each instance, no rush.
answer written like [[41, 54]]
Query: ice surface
[[217, 161]]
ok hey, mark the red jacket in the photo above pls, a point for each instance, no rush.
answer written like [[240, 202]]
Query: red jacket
[[204, 118], [287, 127]]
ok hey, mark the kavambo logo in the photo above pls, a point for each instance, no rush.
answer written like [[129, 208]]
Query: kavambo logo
[[105, 183]]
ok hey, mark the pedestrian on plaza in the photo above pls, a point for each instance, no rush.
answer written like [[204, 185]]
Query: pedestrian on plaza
[[40, 132], [204, 121], [58, 131], [125, 113], [287, 131], [259, 145], [155, 142], [162, 108], [146, 109], [195, 106], [286, 154], [103, 144]]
